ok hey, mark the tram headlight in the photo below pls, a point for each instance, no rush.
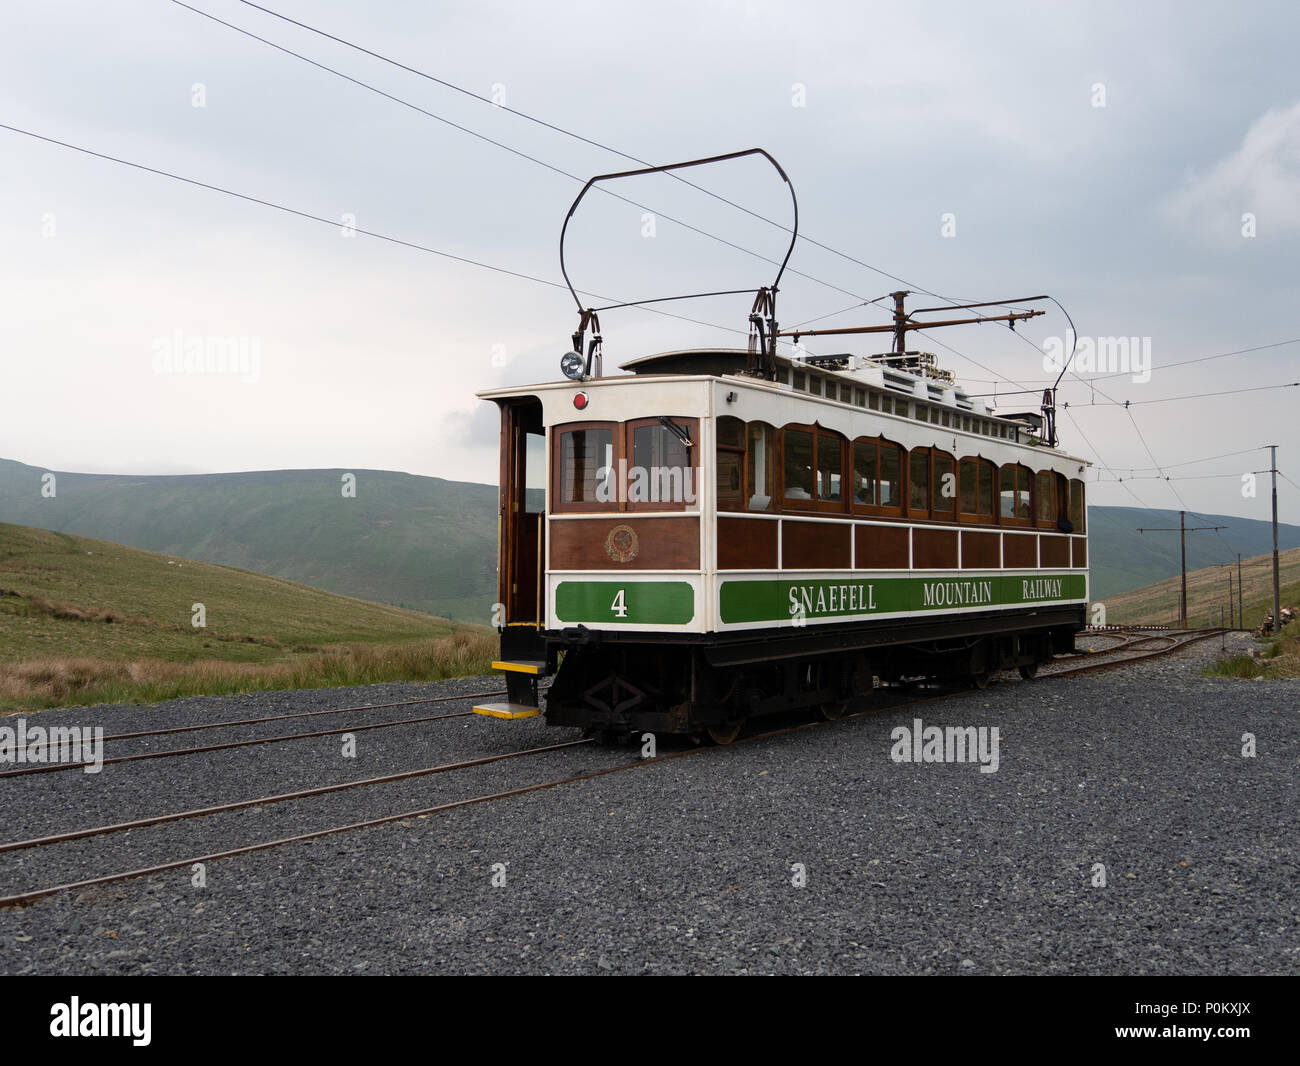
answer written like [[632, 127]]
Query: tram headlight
[[572, 365]]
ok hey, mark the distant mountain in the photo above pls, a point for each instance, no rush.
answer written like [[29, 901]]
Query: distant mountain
[[416, 542], [430, 544]]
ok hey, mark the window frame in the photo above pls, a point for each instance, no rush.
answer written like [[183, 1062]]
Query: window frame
[[692, 427], [814, 505], [1028, 476], [880, 444], [977, 517], [558, 506]]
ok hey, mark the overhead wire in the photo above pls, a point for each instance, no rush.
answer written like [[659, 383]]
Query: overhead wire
[[604, 147], [500, 144], [414, 245]]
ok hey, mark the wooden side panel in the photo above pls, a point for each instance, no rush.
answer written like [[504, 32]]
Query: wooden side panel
[[934, 549], [1054, 551], [1080, 551], [881, 548], [979, 551], [815, 545], [1019, 551], [600, 544], [746, 544]]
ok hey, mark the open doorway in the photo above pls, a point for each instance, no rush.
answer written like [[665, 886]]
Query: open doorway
[[522, 517]]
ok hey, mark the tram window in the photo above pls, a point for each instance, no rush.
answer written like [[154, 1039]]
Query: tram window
[[873, 401], [534, 473], [798, 465], [947, 418], [783, 375], [760, 462], [891, 476], [731, 461], [661, 466], [865, 472], [830, 467], [918, 476], [976, 488], [920, 412], [656, 447], [814, 385], [799, 380], [1078, 513], [1014, 490], [968, 488], [1043, 502], [934, 415], [860, 397], [944, 499], [584, 453], [887, 404], [965, 423]]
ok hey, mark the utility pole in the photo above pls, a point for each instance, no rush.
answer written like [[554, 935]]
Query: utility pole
[[1241, 610], [1277, 605], [1182, 532], [1230, 603]]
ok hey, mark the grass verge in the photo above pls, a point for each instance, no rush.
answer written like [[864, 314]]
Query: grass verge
[[37, 684], [1278, 659]]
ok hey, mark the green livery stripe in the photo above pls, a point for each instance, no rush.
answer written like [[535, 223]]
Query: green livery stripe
[[780, 601], [630, 603]]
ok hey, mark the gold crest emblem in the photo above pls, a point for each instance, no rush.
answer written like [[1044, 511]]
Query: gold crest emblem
[[621, 544]]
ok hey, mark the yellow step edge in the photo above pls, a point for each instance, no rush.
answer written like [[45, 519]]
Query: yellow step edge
[[519, 667], [507, 710]]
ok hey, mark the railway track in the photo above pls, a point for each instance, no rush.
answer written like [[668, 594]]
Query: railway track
[[882, 704], [165, 753]]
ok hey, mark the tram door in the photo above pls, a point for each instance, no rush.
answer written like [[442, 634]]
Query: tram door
[[521, 515]]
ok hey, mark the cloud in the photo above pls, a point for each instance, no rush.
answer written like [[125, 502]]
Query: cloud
[[1261, 178]]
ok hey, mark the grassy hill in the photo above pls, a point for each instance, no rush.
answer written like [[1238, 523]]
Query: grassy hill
[[1207, 591], [87, 620], [1123, 559], [419, 542]]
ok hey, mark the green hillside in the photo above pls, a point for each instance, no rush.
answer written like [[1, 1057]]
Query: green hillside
[[420, 542], [86, 620], [1207, 592]]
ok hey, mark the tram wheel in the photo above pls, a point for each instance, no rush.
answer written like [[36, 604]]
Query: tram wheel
[[1029, 672], [724, 734], [980, 679], [834, 711]]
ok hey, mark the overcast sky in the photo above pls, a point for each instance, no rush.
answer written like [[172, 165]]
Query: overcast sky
[[1116, 156]]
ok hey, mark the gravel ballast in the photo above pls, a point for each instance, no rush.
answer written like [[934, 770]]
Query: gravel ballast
[[812, 852]]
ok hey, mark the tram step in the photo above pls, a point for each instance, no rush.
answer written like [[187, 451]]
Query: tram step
[[521, 666], [507, 710]]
